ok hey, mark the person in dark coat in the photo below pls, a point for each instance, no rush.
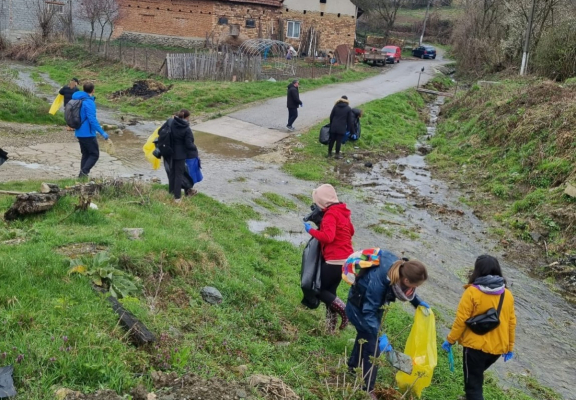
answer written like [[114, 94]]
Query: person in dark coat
[[67, 91], [341, 121], [183, 148], [389, 279], [293, 102]]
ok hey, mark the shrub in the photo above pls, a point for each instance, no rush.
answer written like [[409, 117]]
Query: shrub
[[556, 52]]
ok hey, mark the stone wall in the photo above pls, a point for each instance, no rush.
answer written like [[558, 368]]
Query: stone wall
[[334, 30], [196, 19], [162, 40]]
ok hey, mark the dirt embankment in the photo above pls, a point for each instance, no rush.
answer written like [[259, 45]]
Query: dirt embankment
[[511, 143]]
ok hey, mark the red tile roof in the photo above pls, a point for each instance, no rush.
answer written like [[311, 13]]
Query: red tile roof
[[273, 3]]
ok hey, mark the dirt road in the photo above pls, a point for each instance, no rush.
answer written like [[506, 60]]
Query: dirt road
[[417, 215]]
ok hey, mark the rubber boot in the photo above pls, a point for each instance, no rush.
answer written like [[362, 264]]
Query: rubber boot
[[331, 320], [339, 307]]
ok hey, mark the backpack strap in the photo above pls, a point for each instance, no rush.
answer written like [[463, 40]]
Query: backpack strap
[[500, 303]]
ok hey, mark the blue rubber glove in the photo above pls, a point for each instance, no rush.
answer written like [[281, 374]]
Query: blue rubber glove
[[425, 309], [508, 356], [424, 304], [301, 105], [383, 344], [446, 346], [105, 136], [307, 226]]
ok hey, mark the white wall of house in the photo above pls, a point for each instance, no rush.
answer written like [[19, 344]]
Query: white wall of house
[[343, 7], [18, 18]]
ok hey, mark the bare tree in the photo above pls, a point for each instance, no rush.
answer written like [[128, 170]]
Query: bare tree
[[384, 10], [112, 13], [91, 11], [45, 14], [66, 20]]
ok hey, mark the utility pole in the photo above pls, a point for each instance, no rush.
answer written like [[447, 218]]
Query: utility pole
[[525, 55], [424, 26]]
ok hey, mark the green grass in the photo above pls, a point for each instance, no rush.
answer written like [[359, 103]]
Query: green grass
[[272, 231], [199, 97], [407, 16], [19, 105], [280, 201], [59, 332], [511, 142], [389, 125]]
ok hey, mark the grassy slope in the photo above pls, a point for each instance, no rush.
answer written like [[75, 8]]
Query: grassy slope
[[388, 125], [515, 142], [68, 337], [199, 97], [18, 105]]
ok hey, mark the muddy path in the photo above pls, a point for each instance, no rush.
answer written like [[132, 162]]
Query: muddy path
[[397, 205]]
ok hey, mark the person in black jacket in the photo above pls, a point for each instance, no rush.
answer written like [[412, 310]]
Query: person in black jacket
[[293, 103], [341, 121], [67, 91], [183, 147]]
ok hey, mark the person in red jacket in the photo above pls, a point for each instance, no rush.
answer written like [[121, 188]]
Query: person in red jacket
[[335, 236]]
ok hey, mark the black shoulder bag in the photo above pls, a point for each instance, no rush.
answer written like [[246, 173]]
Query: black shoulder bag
[[484, 323]]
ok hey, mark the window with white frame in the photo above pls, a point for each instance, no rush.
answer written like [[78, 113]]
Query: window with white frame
[[55, 6], [293, 29]]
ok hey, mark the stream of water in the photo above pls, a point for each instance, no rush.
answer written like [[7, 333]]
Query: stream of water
[[413, 213]]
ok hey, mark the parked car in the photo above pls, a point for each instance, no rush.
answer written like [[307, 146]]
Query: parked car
[[424, 52], [393, 54]]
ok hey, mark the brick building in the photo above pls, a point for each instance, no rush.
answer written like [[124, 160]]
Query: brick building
[[175, 21], [335, 20], [179, 22]]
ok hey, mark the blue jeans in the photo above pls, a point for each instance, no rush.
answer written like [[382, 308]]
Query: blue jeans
[[360, 358]]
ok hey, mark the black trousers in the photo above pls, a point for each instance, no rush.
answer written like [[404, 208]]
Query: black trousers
[[330, 278], [90, 154], [292, 115], [360, 358], [475, 363], [334, 138], [187, 182], [177, 169]]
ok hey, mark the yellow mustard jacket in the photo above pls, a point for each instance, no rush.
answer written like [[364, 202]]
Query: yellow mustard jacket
[[474, 302]]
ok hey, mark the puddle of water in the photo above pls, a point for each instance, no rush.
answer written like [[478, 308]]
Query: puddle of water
[[32, 165], [296, 238]]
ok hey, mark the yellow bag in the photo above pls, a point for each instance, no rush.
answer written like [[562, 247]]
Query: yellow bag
[[149, 148], [421, 346], [56, 104]]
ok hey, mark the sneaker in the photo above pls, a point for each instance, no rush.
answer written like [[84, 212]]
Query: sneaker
[[177, 201], [190, 192], [82, 175], [338, 156], [290, 128], [329, 155]]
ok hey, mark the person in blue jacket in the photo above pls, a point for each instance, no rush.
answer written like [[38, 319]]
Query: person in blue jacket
[[390, 279], [86, 134]]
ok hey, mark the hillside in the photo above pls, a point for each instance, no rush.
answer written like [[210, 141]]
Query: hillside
[[513, 142]]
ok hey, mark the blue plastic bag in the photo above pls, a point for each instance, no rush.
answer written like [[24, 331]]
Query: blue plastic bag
[[195, 169]]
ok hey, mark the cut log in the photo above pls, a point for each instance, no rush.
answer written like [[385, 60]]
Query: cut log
[[139, 334], [31, 203]]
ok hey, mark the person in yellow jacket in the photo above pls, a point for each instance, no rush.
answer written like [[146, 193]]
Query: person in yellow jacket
[[485, 287]]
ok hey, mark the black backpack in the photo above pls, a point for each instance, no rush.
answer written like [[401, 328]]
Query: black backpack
[[72, 114], [164, 143]]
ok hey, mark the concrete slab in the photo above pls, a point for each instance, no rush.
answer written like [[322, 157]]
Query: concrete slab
[[242, 131]]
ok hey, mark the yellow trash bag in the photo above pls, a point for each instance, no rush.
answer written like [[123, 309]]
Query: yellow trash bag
[[421, 346], [56, 104], [149, 148]]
